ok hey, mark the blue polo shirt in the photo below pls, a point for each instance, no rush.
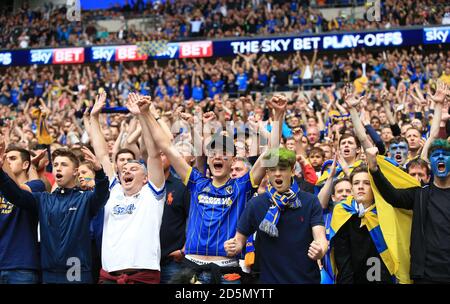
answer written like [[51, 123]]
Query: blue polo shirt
[[284, 259], [18, 234]]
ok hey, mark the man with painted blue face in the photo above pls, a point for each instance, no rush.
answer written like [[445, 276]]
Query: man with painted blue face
[[430, 232], [398, 151]]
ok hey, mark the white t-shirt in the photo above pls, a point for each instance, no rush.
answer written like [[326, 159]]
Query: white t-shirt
[[446, 18], [131, 229], [196, 25], [308, 73]]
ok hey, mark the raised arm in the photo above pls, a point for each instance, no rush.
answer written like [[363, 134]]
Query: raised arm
[[438, 98], [35, 159], [327, 189], [162, 122], [299, 147], [233, 65], [352, 102], [313, 61], [26, 111], [139, 105], [193, 123], [86, 122], [278, 104], [98, 140], [298, 60], [163, 142], [120, 138], [389, 115], [131, 142], [399, 198], [320, 120], [99, 197]]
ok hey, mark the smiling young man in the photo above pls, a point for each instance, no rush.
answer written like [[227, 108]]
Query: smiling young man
[[285, 257], [64, 217], [131, 249], [217, 202], [19, 249]]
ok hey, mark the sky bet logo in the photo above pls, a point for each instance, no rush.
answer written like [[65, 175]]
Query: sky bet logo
[[436, 35], [57, 56], [41, 56], [103, 53]]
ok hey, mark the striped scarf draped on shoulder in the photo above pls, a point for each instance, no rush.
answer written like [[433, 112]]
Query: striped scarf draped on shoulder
[[280, 201], [369, 217], [391, 226]]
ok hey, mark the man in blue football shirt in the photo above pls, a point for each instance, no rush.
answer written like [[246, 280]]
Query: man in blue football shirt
[[216, 202], [214, 85]]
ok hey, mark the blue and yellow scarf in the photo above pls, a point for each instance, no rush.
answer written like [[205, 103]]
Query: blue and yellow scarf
[[280, 201], [250, 251], [343, 212], [393, 225]]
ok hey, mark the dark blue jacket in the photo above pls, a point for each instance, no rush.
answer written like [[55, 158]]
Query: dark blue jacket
[[64, 217]]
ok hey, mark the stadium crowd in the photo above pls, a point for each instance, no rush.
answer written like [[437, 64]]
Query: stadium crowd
[[48, 26], [198, 171]]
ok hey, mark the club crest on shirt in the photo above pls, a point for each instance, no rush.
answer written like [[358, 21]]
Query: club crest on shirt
[[229, 189]]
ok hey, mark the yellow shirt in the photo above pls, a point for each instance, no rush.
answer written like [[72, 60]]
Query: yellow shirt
[[55, 91], [360, 83], [445, 78]]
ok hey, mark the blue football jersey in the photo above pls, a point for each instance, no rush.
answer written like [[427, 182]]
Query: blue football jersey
[[214, 212]]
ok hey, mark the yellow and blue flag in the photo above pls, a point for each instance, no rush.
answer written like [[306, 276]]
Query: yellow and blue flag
[[389, 227], [339, 173], [395, 222], [42, 134]]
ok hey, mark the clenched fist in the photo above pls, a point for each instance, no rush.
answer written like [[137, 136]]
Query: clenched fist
[[371, 154], [315, 251], [232, 247]]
